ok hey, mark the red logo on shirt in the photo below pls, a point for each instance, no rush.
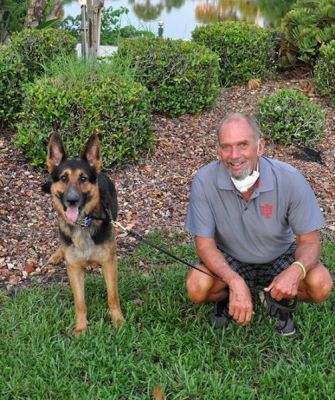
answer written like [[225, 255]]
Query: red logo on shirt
[[266, 210]]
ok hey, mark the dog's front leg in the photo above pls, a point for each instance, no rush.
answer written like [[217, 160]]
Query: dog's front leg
[[109, 270], [76, 276]]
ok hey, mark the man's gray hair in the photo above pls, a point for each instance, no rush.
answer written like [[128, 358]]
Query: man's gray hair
[[238, 116]]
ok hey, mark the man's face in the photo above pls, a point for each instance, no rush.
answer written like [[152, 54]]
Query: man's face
[[238, 148]]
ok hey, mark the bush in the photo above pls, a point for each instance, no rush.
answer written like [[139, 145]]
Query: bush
[[288, 116], [182, 77], [13, 74], [246, 51], [306, 28], [23, 60], [324, 71], [95, 100]]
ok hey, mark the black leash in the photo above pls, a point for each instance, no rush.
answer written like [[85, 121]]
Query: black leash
[[162, 250], [284, 306]]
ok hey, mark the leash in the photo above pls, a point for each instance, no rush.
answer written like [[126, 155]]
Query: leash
[[284, 306], [88, 221], [161, 249]]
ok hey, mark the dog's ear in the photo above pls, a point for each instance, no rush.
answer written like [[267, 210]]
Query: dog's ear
[[56, 152], [92, 153]]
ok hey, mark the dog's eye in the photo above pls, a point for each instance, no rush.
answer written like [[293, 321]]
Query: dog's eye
[[83, 179], [64, 179]]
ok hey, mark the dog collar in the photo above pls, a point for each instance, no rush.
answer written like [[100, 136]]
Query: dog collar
[[86, 222]]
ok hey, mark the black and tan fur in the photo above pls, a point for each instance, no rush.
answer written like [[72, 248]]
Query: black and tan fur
[[80, 190]]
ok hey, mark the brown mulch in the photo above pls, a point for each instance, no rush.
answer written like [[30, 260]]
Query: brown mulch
[[152, 195]]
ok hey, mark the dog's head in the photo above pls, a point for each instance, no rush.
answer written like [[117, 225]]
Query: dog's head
[[73, 182]]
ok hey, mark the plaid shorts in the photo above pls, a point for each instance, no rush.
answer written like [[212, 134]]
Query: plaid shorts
[[256, 275], [261, 275]]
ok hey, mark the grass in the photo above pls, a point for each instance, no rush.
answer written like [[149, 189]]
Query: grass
[[166, 341]]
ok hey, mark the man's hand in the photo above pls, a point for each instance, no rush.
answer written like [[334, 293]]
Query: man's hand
[[240, 302], [285, 285]]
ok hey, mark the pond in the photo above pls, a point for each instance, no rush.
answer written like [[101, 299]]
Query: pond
[[180, 17]]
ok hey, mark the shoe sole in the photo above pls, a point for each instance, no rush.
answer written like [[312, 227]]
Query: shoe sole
[[288, 333]]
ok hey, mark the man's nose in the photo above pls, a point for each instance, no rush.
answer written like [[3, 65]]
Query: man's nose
[[235, 152]]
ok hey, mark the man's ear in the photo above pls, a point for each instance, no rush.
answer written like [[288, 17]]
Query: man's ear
[[260, 147], [56, 152], [92, 153]]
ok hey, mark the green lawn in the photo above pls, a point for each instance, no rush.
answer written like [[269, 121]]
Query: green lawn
[[166, 341]]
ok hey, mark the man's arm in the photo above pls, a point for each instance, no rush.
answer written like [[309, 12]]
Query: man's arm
[[308, 249], [240, 303], [285, 285]]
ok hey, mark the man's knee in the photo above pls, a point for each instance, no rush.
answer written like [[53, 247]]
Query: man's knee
[[198, 286], [319, 283]]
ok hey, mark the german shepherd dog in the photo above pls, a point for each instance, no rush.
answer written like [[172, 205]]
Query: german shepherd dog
[[86, 202]]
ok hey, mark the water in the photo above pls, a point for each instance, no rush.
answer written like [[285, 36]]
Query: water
[[180, 17]]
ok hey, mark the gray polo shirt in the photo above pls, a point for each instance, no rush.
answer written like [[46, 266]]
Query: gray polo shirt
[[260, 230]]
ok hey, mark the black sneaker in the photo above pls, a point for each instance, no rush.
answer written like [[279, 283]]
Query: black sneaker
[[220, 316], [286, 325], [282, 310]]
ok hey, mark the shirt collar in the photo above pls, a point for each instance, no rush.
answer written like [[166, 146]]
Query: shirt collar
[[265, 177]]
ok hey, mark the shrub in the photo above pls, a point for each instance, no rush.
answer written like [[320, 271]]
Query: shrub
[[182, 77], [23, 60], [246, 51], [96, 100], [324, 71], [13, 74], [305, 29], [38, 47], [288, 116]]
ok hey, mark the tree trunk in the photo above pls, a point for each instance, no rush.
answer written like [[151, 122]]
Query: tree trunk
[[35, 13], [94, 9]]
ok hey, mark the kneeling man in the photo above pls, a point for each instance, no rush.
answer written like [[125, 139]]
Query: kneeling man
[[256, 224]]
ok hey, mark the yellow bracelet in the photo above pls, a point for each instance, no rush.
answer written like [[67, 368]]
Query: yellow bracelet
[[301, 265]]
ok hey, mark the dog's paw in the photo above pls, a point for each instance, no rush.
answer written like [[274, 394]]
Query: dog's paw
[[118, 322], [79, 330], [57, 257]]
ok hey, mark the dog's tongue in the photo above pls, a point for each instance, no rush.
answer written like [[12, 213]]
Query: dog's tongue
[[72, 213]]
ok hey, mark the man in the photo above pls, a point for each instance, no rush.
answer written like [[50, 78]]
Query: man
[[256, 223]]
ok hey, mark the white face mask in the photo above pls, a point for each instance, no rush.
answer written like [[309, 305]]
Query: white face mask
[[246, 183]]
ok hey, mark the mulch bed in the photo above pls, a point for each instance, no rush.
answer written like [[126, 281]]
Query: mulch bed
[[153, 194]]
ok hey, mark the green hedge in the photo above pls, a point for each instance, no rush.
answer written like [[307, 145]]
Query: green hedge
[[24, 59], [182, 77], [115, 108], [288, 116], [246, 51], [324, 71]]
